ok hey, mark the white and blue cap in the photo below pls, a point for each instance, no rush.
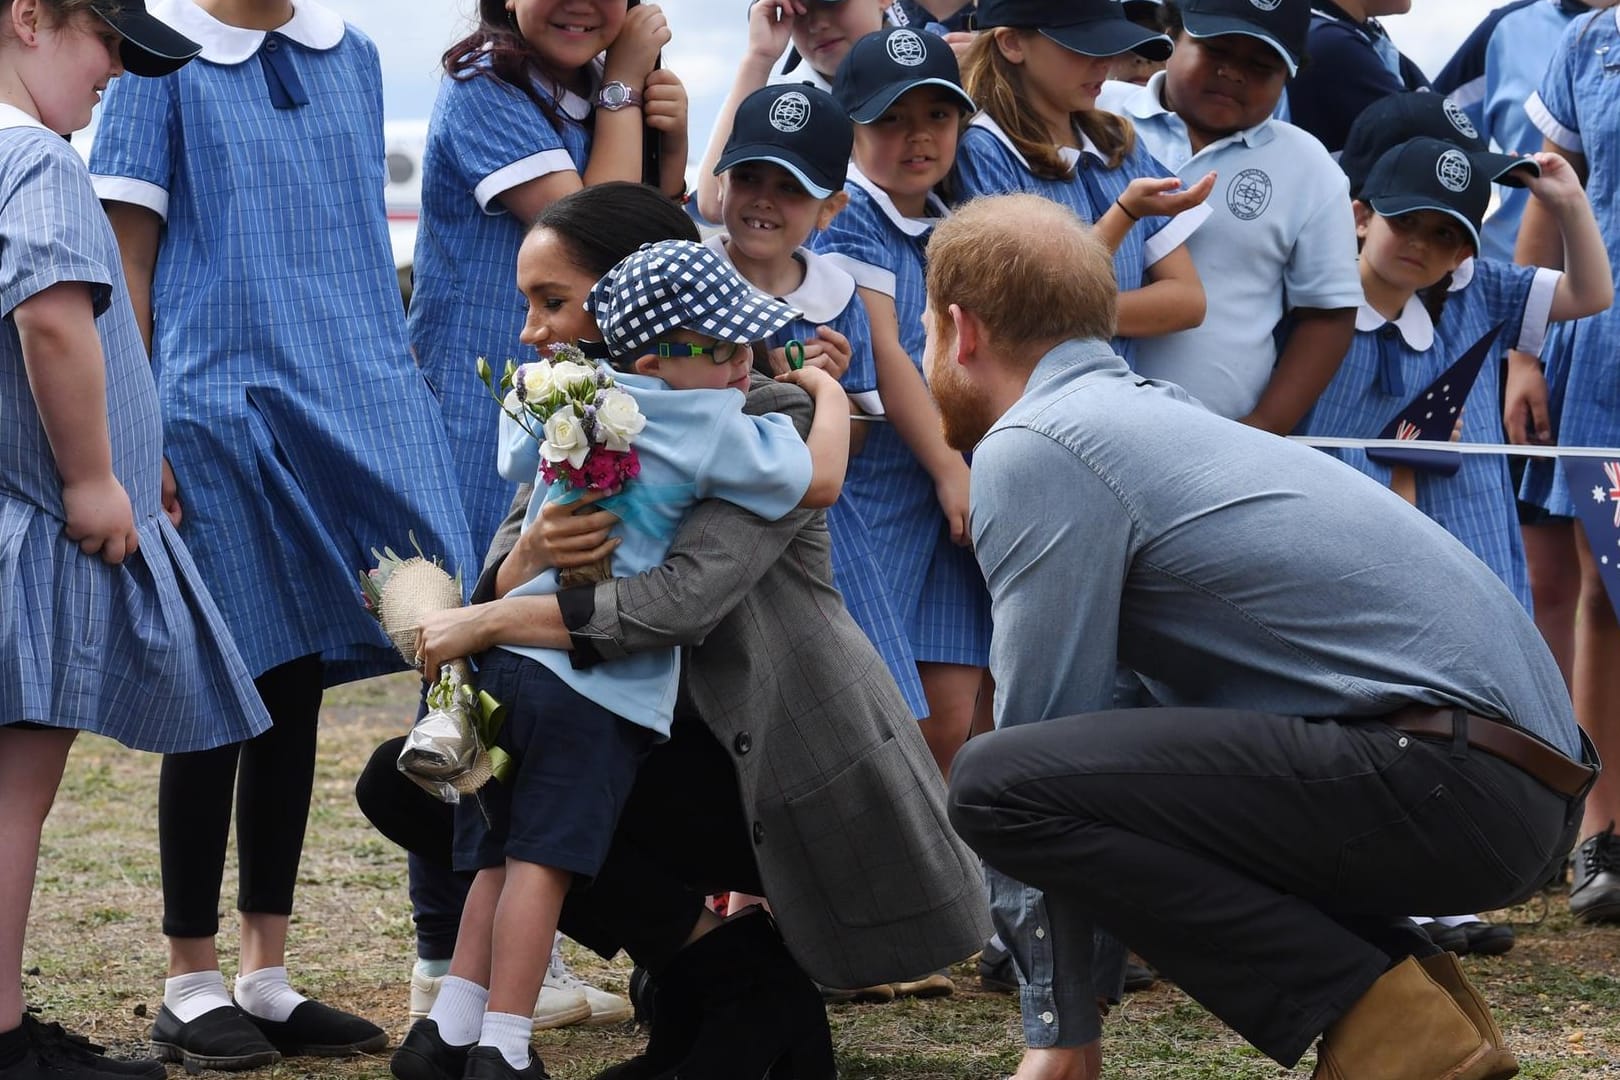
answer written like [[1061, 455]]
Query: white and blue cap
[[1433, 174], [887, 63], [1282, 24], [1087, 27], [680, 285], [796, 126]]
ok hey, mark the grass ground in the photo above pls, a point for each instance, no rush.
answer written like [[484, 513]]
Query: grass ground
[[95, 957]]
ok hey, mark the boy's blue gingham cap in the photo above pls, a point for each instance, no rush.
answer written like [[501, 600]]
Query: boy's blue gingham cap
[[677, 284]]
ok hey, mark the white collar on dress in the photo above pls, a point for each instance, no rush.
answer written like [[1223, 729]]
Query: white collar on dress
[[823, 294], [1415, 326], [909, 226], [1071, 156], [13, 117], [312, 26]]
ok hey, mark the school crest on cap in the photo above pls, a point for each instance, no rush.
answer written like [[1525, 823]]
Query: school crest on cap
[[1266, 5], [790, 112], [1453, 170], [905, 47], [1459, 119]]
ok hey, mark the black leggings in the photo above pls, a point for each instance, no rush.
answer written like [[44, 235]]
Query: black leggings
[[273, 775], [682, 836]]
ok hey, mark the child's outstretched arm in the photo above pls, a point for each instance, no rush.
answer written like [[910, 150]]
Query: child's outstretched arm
[[911, 409], [829, 435], [770, 29], [1587, 286], [68, 376], [1172, 300], [1149, 196]]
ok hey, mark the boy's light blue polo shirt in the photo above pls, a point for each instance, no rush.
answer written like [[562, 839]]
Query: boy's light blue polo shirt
[[1280, 235], [698, 444]]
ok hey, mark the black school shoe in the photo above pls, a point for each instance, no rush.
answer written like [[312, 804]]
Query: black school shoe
[[222, 1038], [486, 1063], [424, 1055], [316, 1030], [58, 1047]]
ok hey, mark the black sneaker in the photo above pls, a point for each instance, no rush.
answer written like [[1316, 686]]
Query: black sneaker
[[1489, 939], [996, 971], [316, 1030], [222, 1038], [55, 1045], [424, 1055], [1451, 939], [486, 1063], [1595, 894]]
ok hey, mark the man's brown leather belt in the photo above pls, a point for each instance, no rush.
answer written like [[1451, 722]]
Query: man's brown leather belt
[[1513, 745]]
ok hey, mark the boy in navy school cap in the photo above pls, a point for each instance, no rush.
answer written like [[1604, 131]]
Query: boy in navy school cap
[[1280, 243]]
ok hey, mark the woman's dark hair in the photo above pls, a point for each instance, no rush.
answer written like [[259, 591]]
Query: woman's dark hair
[[603, 223], [510, 59]]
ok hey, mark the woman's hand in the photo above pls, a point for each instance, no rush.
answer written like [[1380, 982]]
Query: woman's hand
[[443, 636], [571, 535], [829, 350], [634, 53], [1164, 196], [99, 518]]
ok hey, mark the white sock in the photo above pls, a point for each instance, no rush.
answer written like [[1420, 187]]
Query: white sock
[[432, 969], [459, 1010], [191, 995], [1456, 920], [267, 994], [510, 1035]]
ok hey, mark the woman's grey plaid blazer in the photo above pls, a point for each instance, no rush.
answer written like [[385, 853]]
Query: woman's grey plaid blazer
[[845, 805]]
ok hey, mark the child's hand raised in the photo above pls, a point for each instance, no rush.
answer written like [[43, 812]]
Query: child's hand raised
[[770, 26], [814, 380], [1558, 183], [634, 53], [1164, 196], [99, 518], [830, 351], [664, 103]]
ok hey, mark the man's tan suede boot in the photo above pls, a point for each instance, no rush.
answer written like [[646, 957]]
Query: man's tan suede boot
[[1405, 1027], [1444, 969]]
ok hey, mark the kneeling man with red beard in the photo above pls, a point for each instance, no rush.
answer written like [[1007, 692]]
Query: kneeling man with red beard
[[1356, 720]]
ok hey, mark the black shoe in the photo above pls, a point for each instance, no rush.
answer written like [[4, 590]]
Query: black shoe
[[222, 1038], [1452, 939], [316, 1030], [1138, 977], [55, 1045], [996, 971], [673, 1019], [1488, 939], [643, 991], [486, 1063], [424, 1055], [1595, 894]]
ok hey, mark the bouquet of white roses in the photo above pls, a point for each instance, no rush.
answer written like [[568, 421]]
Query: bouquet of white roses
[[584, 422]]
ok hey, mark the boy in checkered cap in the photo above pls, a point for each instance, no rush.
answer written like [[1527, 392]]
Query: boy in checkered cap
[[679, 326]]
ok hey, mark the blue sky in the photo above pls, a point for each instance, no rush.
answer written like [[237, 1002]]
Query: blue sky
[[709, 37]]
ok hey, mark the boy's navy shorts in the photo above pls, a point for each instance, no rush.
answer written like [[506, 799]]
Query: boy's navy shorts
[[573, 764]]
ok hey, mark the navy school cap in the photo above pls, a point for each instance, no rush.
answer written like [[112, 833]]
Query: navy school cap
[[1282, 24], [1394, 119], [885, 64], [1087, 27], [796, 126], [150, 47], [1432, 174]]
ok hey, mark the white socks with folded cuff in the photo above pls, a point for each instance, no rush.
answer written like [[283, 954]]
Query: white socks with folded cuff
[[266, 994], [459, 1011], [191, 995], [510, 1035]]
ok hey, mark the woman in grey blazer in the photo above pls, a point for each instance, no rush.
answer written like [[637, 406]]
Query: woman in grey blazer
[[794, 770]]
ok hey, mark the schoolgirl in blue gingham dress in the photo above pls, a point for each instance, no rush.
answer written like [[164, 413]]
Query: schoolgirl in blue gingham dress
[[987, 163], [938, 590], [484, 137], [1389, 363], [137, 652], [1578, 108], [827, 298]]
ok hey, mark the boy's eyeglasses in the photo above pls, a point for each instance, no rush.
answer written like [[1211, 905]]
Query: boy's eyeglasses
[[721, 352]]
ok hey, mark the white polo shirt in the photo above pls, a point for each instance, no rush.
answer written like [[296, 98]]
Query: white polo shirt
[[1281, 235]]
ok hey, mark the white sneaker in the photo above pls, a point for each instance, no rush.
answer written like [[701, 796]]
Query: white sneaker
[[557, 1006], [605, 1008]]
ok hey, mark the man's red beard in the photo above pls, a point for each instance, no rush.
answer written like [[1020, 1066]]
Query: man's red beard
[[963, 410]]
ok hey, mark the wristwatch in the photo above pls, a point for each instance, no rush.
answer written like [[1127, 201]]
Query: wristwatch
[[615, 96]]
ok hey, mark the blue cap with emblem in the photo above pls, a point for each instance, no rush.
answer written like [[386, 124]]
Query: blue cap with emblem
[[1282, 24], [796, 126], [1394, 119], [885, 64], [1432, 174], [1087, 27]]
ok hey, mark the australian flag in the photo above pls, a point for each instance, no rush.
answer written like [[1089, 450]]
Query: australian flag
[[1594, 484], [1432, 415]]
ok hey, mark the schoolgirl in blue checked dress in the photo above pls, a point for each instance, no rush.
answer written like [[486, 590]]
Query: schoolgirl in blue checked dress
[[781, 179], [1418, 219], [105, 624], [1577, 110], [527, 112], [903, 91], [246, 193], [1036, 70]]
